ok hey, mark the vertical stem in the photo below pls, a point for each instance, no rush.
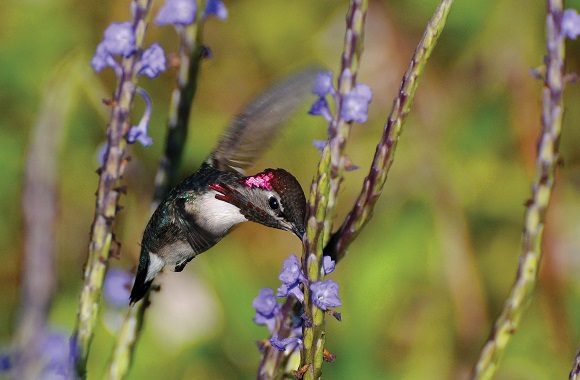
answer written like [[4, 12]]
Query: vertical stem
[[190, 54], [324, 189], [108, 193], [546, 162]]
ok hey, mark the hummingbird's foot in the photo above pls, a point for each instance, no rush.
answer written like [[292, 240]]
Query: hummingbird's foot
[[179, 267]]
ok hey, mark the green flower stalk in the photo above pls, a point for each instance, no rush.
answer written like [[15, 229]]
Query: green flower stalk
[[110, 188], [324, 190], [547, 161], [191, 52]]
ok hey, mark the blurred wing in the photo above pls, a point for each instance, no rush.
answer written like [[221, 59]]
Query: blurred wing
[[254, 129]]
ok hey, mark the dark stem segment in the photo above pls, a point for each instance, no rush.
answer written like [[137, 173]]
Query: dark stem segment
[[547, 161], [191, 52], [108, 193]]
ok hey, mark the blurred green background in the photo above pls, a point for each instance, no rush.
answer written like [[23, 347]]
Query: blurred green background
[[424, 281]]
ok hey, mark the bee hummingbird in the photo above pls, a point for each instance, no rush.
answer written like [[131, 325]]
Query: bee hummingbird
[[204, 207]]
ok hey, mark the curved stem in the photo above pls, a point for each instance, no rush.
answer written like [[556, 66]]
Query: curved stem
[[190, 54], [546, 163], [324, 189], [108, 194]]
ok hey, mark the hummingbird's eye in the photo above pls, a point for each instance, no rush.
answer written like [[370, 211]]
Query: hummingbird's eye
[[273, 202]]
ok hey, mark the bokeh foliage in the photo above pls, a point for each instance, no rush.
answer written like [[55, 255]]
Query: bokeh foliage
[[429, 274]]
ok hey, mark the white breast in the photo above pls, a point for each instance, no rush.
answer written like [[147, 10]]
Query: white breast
[[217, 216]]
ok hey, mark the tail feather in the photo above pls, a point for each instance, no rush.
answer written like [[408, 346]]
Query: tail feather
[[141, 285]]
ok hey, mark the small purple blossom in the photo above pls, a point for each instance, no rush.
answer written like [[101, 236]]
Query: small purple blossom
[[152, 62], [103, 59], [283, 344], [266, 308], [216, 8], [177, 12], [328, 264], [265, 303], [291, 271], [116, 287], [355, 104], [571, 24], [325, 294], [320, 108], [323, 84], [139, 132], [291, 277], [119, 39]]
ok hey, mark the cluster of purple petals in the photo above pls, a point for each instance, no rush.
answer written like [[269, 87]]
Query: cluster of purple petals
[[267, 308], [355, 104], [119, 41], [324, 295], [571, 24], [183, 12]]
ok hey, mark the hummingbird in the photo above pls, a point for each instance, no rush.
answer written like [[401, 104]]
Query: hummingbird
[[204, 207]]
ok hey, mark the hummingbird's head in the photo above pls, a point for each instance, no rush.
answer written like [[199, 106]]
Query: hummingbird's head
[[273, 198]]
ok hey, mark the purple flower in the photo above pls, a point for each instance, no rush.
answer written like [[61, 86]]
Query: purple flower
[[266, 308], [291, 277], [325, 294], [116, 288], [571, 24], [320, 108], [265, 303], [291, 270], [319, 144], [328, 264], [216, 8], [323, 84], [120, 39], [282, 344], [177, 12], [355, 104], [152, 62], [139, 132]]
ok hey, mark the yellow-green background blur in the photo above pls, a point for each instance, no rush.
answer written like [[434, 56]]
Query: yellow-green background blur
[[421, 285]]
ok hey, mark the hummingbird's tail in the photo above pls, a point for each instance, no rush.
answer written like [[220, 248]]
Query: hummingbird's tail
[[141, 285]]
